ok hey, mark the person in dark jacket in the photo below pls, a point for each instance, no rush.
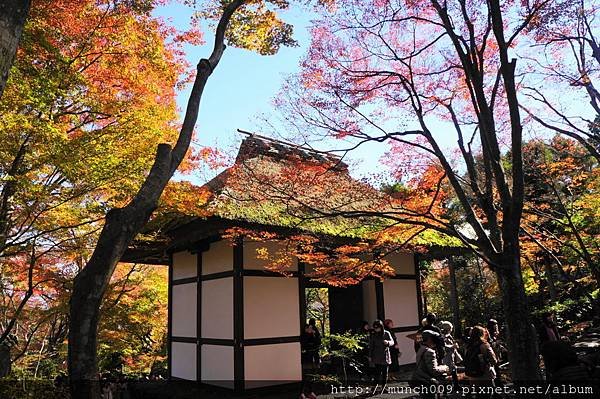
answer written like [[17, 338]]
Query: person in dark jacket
[[394, 350], [380, 342], [313, 324], [365, 328], [548, 331], [480, 358], [310, 343]]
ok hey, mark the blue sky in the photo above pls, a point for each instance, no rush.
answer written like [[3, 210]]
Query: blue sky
[[243, 87]]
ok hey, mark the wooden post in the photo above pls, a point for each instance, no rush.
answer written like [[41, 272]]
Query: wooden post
[[170, 319], [421, 303], [380, 300], [238, 316]]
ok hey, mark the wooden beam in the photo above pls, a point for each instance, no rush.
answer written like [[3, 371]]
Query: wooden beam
[[170, 319], [301, 295], [267, 273], [380, 300], [216, 276], [420, 304], [238, 316], [199, 316], [271, 340], [187, 340], [405, 328], [187, 280], [216, 341]]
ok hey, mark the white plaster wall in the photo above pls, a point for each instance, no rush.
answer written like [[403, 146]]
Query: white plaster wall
[[271, 307], [403, 263], [184, 310], [400, 301], [369, 301], [184, 265], [217, 308], [218, 258], [217, 365], [267, 364], [273, 248], [183, 360], [407, 347]]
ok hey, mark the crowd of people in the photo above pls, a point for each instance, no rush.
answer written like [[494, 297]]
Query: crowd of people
[[481, 354], [476, 358]]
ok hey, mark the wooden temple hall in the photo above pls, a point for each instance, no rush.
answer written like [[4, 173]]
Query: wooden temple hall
[[235, 323]]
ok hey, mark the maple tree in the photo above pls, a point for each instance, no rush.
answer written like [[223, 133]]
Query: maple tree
[[559, 245], [560, 222], [121, 224], [68, 150], [30, 284], [12, 19], [478, 296], [412, 73], [565, 34], [79, 130], [132, 328]]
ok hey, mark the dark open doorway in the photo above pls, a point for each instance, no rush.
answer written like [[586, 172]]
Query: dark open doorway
[[335, 309], [345, 308], [317, 307]]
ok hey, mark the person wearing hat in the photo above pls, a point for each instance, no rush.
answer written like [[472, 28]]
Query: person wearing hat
[[428, 324], [428, 369], [380, 342]]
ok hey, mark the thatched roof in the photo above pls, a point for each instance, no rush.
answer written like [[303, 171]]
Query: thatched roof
[[279, 185]]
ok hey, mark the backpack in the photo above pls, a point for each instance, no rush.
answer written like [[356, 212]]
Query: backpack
[[473, 366]]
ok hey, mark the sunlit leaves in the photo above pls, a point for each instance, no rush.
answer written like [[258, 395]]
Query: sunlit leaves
[[134, 315], [256, 26], [561, 209]]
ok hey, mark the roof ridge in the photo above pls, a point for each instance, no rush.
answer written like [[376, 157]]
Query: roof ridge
[[255, 144]]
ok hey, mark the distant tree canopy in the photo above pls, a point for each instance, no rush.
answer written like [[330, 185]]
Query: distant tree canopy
[[91, 94]]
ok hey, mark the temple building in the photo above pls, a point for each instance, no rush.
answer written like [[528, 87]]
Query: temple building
[[235, 318]]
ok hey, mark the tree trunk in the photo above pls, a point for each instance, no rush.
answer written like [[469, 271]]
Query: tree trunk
[[5, 362], [521, 338], [120, 228], [13, 14], [454, 299], [88, 290]]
